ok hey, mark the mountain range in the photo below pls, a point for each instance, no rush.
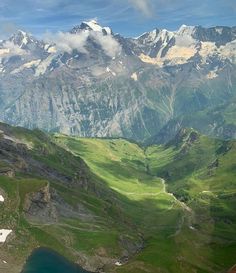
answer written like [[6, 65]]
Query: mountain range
[[93, 82]]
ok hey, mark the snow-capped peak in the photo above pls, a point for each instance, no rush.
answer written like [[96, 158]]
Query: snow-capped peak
[[21, 38], [150, 35], [22, 32], [185, 30], [92, 25], [25, 39], [95, 26]]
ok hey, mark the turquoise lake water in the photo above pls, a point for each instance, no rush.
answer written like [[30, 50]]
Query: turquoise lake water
[[43, 260]]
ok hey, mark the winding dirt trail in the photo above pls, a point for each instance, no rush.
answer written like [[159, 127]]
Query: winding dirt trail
[[188, 213]]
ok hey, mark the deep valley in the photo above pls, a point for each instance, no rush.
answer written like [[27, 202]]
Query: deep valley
[[119, 206]]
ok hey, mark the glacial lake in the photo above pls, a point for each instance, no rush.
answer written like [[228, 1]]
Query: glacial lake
[[43, 260]]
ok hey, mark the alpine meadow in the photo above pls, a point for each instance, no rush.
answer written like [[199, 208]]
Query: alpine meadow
[[117, 150]]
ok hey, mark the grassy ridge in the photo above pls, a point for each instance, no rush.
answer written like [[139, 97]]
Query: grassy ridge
[[180, 198], [202, 174]]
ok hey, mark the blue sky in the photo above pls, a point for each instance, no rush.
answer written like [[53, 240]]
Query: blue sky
[[128, 17]]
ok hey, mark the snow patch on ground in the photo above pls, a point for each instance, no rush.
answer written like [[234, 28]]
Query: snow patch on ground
[[28, 65], [50, 49], [229, 51], [176, 55], [42, 67], [110, 71], [180, 54], [134, 76], [4, 51], [1, 198], [219, 30], [4, 233], [212, 74]]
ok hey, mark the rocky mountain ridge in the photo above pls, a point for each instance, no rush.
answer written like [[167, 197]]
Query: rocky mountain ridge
[[92, 82]]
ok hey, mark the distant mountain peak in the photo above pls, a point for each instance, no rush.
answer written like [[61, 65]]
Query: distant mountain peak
[[92, 25], [21, 38], [184, 29], [19, 31], [166, 34]]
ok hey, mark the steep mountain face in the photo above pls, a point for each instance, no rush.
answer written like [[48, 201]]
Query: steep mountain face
[[92, 82], [216, 121]]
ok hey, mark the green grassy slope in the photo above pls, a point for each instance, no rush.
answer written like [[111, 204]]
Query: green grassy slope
[[202, 173], [169, 208], [184, 232], [123, 167]]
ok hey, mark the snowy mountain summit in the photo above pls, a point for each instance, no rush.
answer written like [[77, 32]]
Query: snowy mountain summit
[[92, 25]]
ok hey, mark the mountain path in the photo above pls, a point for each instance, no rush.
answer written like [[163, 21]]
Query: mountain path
[[188, 214]]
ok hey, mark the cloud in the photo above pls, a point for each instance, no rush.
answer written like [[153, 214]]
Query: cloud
[[67, 42], [110, 46], [10, 49], [145, 6]]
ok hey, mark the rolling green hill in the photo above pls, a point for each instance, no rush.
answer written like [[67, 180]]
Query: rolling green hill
[[168, 208]]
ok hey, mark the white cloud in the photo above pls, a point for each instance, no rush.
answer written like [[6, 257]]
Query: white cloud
[[144, 6], [10, 49], [110, 46], [67, 42]]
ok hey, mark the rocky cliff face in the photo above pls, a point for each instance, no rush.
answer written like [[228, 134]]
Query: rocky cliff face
[[39, 206], [92, 82]]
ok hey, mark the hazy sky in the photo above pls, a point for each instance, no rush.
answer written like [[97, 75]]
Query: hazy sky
[[128, 17]]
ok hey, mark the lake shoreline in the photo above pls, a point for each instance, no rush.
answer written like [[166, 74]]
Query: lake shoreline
[[39, 255]]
